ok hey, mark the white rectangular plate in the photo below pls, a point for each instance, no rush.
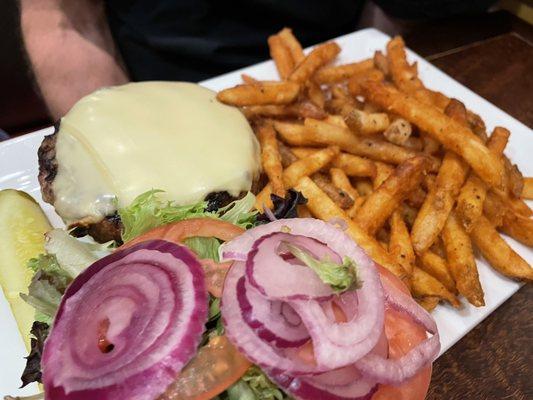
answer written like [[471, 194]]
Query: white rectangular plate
[[18, 170]]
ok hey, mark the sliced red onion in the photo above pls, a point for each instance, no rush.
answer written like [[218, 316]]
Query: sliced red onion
[[127, 325], [274, 276], [303, 388], [270, 215], [246, 339], [395, 371], [268, 318], [336, 239]]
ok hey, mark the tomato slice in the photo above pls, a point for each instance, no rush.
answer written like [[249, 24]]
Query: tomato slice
[[216, 367], [402, 335], [177, 232]]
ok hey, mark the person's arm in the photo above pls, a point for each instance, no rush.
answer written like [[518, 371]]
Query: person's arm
[[70, 48]]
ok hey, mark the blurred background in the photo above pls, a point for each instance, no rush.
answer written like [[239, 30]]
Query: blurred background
[[22, 109]]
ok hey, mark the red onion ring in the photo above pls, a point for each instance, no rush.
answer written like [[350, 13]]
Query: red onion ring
[[305, 389], [246, 339], [148, 303], [395, 371], [266, 317], [271, 274]]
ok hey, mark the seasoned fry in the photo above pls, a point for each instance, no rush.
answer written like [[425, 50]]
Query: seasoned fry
[[321, 55], [498, 253], [518, 227], [316, 95], [356, 81], [413, 143], [350, 164], [400, 246], [381, 62], [281, 55], [431, 146], [336, 120], [339, 196], [250, 80], [338, 73], [287, 156], [321, 206], [260, 93], [439, 202], [436, 266], [364, 187], [474, 191], [292, 44], [441, 198], [354, 165], [398, 132], [494, 209], [271, 159], [380, 204], [383, 171], [364, 123], [342, 182], [453, 135], [527, 191], [428, 302], [303, 212], [423, 284], [322, 133], [304, 167], [515, 180], [301, 109]]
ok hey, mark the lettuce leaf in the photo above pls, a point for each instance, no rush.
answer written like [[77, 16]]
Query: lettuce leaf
[[261, 386], [148, 211], [340, 277], [204, 247], [32, 371]]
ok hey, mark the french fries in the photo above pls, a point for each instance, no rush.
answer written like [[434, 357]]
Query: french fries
[[381, 203], [339, 196], [399, 132], [260, 93], [364, 123], [338, 73], [424, 284], [319, 56], [436, 266], [410, 170], [527, 191], [498, 253], [474, 191], [293, 45], [453, 135], [271, 159], [281, 55], [441, 198], [294, 172], [400, 246], [461, 261], [321, 206]]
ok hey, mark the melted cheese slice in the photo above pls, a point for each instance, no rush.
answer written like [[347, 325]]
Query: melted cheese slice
[[120, 142]]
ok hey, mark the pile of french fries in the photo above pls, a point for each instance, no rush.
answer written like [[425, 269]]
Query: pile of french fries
[[412, 173]]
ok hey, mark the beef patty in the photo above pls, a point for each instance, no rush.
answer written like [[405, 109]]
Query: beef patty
[[110, 227]]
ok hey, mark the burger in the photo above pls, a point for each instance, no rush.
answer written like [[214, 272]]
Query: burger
[[120, 142]]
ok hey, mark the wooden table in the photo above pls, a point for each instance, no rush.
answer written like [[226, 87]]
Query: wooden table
[[492, 56]]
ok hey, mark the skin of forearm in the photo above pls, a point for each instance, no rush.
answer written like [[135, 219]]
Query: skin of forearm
[[71, 50]]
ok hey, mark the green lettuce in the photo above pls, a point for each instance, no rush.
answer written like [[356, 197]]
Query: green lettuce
[[340, 277], [204, 247], [148, 211]]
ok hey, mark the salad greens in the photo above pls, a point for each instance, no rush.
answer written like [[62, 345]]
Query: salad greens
[[255, 385], [204, 247], [340, 277], [148, 211]]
